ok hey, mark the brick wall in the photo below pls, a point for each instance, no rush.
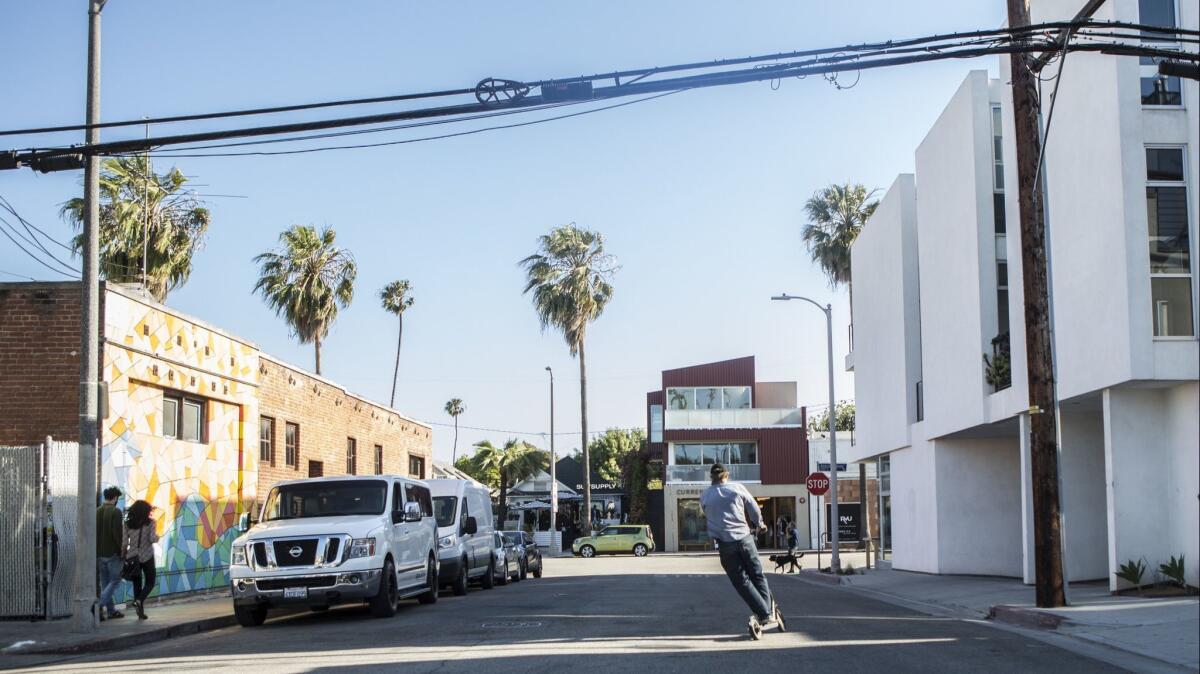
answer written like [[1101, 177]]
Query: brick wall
[[327, 415], [39, 362]]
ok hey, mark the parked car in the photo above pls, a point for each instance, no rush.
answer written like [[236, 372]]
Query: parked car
[[527, 549], [463, 509], [508, 560], [633, 538], [336, 540]]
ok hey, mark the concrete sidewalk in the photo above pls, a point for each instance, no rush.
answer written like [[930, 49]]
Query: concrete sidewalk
[[1163, 629], [166, 619]]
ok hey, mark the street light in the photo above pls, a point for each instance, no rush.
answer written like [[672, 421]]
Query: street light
[[835, 560], [555, 547]]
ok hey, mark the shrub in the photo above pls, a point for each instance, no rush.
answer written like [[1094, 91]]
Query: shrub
[[1173, 570], [1132, 572]]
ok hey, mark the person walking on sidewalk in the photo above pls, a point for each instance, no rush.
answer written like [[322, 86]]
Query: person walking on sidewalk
[[140, 537], [733, 516], [108, 552]]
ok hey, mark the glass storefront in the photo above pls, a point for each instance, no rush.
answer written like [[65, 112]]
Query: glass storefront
[[693, 530], [885, 506]]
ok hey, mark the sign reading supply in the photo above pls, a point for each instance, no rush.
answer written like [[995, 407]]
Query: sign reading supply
[[817, 484]]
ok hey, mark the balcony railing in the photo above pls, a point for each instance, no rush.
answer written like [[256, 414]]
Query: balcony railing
[[743, 418], [738, 472]]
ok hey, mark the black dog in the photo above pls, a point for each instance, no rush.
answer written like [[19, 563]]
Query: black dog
[[790, 559]]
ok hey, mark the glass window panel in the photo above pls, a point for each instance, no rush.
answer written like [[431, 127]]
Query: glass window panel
[[1170, 248], [1164, 163], [714, 453], [656, 423], [681, 398], [1161, 90], [693, 529], [191, 421], [708, 398], [1002, 310], [688, 455], [737, 397], [266, 440], [1001, 274], [998, 212], [749, 452], [999, 177], [1172, 306], [1157, 12], [170, 417], [1002, 247]]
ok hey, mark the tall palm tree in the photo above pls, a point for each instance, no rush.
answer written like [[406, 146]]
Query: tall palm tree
[[144, 216], [305, 280], [396, 300], [454, 407], [836, 215], [515, 461], [569, 278]]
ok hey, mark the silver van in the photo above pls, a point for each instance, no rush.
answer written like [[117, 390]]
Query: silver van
[[463, 510]]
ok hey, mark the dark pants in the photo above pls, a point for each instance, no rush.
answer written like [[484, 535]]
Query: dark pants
[[741, 564], [143, 583]]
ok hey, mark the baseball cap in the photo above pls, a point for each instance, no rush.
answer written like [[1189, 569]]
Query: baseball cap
[[717, 469]]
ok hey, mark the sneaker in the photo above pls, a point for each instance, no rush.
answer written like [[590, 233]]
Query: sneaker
[[115, 614]]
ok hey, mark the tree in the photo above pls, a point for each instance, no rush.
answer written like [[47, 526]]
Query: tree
[[636, 473], [396, 300], [305, 280], [454, 407], [836, 215], [608, 452], [144, 214], [515, 461], [487, 476], [569, 278], [844, 421]]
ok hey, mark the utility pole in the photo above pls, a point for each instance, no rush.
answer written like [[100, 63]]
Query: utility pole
[[84, 616], [1043, 450], [555, 547]]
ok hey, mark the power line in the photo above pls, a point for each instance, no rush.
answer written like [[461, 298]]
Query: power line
[[532, 433], [26, 251], [14, 274]]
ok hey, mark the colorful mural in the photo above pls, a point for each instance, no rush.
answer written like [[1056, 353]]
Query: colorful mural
[[199, 489]]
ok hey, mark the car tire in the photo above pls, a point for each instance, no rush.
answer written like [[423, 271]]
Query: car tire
[[250, 616], [640, 550], [504, 577], [430, 596], [587, 551], [524, 571], [489, 579], [459, 587], [383, 604], [537, 573]]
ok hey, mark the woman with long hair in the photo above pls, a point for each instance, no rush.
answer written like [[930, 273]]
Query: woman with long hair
[[140, 537]]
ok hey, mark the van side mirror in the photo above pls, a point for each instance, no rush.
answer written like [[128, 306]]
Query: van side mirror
[[244, 523], [470, 527], [412, 512]]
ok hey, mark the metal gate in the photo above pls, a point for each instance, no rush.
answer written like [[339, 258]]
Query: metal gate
[[38, 503]]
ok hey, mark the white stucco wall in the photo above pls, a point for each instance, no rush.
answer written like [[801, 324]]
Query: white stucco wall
[[914, 508], [1084, 497], [1183, 486], [886, 324], [979, 506]]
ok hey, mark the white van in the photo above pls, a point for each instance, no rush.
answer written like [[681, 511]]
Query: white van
[[463, 509]]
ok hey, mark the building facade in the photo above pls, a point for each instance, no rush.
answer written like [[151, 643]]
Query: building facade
[[936, 318], [717, 412]]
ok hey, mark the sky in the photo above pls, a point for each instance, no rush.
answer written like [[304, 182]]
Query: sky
[[699, 195]]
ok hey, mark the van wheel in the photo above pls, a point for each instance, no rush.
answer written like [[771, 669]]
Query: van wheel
[[587, 551], [640, 550], [524, 571], [503, 579], [430, 596], [489, 578], [249, 616], [460, 583], [537, 573], [383, 604]]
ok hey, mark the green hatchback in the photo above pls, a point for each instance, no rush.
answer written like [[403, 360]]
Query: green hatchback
[[624, 538]]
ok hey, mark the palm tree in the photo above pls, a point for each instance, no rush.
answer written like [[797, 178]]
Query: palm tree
[[515, 461], [454, 407], [144, 216], [836, 213], [305, 280], [396, 300], [569, 278]]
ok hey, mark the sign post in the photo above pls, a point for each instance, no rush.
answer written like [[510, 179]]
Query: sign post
[[817, 484]]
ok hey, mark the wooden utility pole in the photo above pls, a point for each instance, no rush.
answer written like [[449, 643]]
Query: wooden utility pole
[[1043, 442]]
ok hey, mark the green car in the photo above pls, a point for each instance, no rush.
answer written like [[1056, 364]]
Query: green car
[[634, 538]]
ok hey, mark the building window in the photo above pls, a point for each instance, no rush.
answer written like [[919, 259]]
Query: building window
[[707, 453], [316, 469], [379, 459], [1170, 242], [266, 440], [351, 456], [291, 445], [416, 467], [184, 418], [656, 423], [1158, 89], [999, 222], [709, 398], [693, 531]]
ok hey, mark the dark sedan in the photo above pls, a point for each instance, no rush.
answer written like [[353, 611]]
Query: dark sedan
[[527, 552]]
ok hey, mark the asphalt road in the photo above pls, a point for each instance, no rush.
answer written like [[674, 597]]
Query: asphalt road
[[658, 614]]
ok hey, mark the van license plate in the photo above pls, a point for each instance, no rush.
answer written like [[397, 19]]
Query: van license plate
[[295, 593]]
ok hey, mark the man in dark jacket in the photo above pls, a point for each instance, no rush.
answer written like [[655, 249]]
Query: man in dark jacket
[[109, 532]]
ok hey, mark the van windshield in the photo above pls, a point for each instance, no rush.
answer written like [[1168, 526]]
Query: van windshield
[[326, 499], [444, 508]]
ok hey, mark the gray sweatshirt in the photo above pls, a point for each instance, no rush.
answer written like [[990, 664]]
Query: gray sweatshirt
[[726, 508]]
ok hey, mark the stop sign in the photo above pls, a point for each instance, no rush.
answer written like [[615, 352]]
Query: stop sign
[[817, 483]]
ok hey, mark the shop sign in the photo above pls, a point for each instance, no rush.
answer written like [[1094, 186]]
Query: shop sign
[[655, 485], [848, 520]]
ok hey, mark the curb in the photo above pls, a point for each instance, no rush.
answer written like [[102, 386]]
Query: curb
[[137, 639], [1025, 617], [816, 577]]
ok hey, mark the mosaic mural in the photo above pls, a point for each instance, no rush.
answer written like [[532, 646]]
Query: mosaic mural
[[199, 489]]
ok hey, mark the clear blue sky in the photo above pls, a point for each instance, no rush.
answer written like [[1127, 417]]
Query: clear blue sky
[[699, 195]]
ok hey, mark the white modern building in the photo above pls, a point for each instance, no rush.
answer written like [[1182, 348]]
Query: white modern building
[[937, 287]]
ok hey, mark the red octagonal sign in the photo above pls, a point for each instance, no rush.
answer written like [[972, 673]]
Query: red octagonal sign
[[817, 483]]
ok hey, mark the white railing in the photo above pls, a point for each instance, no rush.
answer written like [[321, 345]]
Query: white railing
[[738, 472], [743, 418]]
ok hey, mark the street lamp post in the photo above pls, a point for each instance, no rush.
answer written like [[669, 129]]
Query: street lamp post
[[835, 560], [555, 548]]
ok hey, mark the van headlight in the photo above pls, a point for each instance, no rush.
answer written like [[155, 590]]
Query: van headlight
[[447, 541], [238, 556], [361, 547]]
